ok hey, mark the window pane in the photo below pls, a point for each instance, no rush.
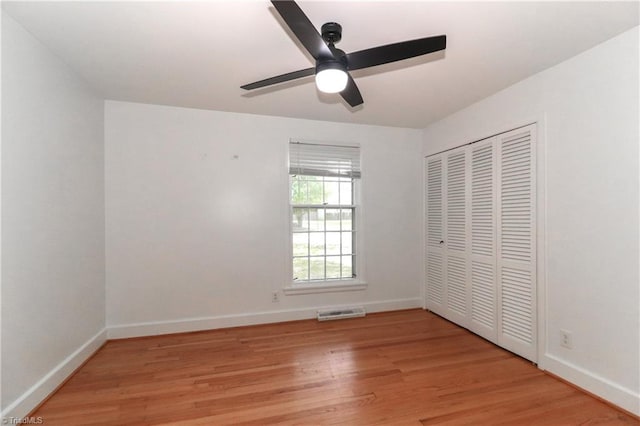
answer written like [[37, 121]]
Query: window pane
[[301, 244], [317, 268], [347, 242], [316, 219], [301, 268], [322, 238], [331, 195], [315, 190], [316, 243], [333, 267], [347, 267], [346, 196], [298, 190], [332, 217], [300, 219], [333, 243], [347, 219]]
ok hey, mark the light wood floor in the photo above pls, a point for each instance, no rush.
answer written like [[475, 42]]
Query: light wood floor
[[398, 368]]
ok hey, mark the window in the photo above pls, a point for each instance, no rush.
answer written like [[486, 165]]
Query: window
[[323, 211]]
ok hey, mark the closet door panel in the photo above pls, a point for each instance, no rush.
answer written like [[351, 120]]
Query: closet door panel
[[435, 254], [483, 240], [456, 239], [516, 264]]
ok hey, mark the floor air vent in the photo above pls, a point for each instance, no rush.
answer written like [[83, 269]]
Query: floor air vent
[[340, 313]]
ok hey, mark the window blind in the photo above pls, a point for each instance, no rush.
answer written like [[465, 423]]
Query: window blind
[[324, 160]]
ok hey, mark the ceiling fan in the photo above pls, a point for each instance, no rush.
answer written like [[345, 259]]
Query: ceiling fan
[[332, 64]]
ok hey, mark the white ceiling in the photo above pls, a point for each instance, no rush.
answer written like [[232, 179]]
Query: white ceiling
[[197, 54]]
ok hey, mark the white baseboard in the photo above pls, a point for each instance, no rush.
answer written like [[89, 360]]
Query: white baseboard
[[236, 320], [29, 400], [606, 389]]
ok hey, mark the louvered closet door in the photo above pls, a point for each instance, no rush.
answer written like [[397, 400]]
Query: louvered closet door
[[434, 262], [455, 241], [516, 262], [484, 319]]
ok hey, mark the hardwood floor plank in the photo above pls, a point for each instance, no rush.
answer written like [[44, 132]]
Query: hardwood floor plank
[[396, 368]]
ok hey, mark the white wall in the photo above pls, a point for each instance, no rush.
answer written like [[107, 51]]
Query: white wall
[[53, 297], [589, 107], [199, 239]]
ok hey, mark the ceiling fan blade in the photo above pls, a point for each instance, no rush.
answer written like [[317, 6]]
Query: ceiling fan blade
[[279, 79], [395, 52], [303, 29], [351, 93]]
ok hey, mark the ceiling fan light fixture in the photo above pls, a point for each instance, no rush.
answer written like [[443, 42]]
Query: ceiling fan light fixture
[[332, 64], [331, 77]]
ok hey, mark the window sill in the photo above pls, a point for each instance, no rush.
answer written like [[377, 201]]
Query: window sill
[[324, 287]]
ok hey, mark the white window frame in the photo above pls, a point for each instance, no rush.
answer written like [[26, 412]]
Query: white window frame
[[329, 285]]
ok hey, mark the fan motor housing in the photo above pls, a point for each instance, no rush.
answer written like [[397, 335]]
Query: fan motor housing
[[331, 32]]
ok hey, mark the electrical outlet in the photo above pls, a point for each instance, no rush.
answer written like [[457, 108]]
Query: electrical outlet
[[566, 340], [275, 297]]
